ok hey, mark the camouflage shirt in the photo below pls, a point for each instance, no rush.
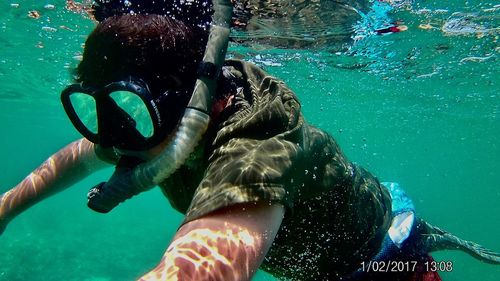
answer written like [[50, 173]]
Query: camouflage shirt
[[260, 148]]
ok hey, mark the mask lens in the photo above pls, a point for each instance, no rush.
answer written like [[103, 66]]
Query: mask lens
[[134, 106], [85, 108]]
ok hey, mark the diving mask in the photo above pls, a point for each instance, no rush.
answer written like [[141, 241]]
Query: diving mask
[[124, 114]]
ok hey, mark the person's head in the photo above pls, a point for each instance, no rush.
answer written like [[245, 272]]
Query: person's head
[[148, 54], [155, 58], [158, 49]]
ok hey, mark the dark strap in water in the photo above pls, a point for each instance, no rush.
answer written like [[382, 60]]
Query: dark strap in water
[[432, 238]]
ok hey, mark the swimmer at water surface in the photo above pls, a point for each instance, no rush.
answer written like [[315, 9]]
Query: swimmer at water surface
[[230, 149]]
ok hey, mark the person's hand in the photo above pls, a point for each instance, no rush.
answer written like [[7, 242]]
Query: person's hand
[[3, 218]]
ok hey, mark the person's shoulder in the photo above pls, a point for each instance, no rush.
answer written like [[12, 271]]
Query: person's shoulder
[[248, 69]]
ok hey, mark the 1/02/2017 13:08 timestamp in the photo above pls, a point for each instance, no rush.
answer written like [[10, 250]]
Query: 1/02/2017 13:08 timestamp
[[406, 266]]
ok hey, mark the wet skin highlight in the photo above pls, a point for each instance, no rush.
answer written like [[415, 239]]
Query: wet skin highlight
[[212, 248], [206, 254], [66, 167]]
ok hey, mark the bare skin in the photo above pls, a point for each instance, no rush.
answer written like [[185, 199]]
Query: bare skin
[[66, 167], [229, 244]]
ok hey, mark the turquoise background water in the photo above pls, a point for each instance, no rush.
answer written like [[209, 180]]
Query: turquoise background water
[[408, 106]]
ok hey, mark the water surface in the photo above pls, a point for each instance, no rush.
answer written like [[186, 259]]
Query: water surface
[[419, 107]]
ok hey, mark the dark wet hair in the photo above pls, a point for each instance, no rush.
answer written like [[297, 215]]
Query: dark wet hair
[[151, 47]]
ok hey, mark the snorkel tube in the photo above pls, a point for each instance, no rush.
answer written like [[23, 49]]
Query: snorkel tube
[[131, 179]]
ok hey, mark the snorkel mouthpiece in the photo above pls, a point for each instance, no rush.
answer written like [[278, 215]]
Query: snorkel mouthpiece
[[103, 197], [127, 182]]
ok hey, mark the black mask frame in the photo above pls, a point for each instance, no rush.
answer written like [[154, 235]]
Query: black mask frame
[[116, 128]]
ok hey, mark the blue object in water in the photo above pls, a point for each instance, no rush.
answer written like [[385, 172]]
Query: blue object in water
[[403, 218], [403, 213], [400, 201]]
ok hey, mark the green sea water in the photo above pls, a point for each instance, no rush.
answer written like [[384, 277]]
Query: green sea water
[[419, 107]]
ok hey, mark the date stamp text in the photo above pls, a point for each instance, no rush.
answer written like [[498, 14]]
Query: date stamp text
[[406, 266]]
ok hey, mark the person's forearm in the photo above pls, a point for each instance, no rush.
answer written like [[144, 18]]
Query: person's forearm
[[66, 167], [228, 244], [207, 254]]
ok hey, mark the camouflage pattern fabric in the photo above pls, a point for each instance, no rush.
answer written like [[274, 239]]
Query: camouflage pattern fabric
[[260, 149]]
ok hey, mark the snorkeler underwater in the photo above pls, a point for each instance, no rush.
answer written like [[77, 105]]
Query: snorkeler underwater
[[293, 140]]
